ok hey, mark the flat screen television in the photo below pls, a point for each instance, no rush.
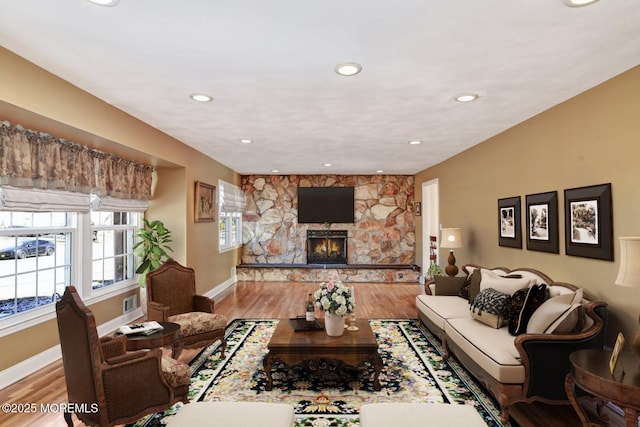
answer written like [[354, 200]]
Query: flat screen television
[[325, 204]]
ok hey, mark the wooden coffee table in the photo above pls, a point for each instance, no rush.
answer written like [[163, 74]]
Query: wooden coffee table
[[168, 336], [294, 348]]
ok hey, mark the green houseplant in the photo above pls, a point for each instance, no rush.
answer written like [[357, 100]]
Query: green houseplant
[[152, 247], [433, 271]]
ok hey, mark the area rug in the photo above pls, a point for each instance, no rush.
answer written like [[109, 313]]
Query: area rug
[[413, 371]]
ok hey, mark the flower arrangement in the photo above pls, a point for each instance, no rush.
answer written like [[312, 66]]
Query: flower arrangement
[[335, 298]]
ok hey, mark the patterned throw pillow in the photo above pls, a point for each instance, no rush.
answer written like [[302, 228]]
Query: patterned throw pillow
[[523, 303], [490, 307]]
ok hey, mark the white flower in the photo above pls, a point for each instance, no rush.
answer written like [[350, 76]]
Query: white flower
[[334, 297]]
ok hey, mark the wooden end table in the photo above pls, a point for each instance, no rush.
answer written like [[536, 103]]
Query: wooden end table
[[590, 372], [297, 347], [168, 336]]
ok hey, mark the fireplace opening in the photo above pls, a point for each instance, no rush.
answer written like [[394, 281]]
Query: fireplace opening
[[326, 247]]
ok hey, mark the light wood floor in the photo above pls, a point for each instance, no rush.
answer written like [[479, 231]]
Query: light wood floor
[[265, 300]]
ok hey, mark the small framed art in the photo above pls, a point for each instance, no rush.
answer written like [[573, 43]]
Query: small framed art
[[542, 222], [205, 202], [588, 222], [509, 222]]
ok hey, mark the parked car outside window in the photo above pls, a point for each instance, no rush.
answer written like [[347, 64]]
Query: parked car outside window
[[28, 248]]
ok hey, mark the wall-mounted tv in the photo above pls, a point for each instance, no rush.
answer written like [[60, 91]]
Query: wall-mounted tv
[[325, 204]]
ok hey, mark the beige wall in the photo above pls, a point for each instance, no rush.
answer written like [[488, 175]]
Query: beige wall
[[588, 140], [38, 100]]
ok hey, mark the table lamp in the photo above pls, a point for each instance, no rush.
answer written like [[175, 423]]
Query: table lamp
[[451, 238], [629, 274]]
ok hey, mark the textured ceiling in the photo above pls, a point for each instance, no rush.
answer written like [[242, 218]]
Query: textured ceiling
[[269, 66]]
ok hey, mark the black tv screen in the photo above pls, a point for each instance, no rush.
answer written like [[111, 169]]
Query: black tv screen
[[325, 204]]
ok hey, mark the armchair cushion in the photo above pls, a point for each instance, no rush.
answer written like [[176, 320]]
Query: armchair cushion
[[197, 322], [177, 374]]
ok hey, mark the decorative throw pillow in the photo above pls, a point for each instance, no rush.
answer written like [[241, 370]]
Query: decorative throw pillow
[[449, 285], [561, 313], [474, 285], [464, 290], [502, 284], [490, 307], [523, 303]]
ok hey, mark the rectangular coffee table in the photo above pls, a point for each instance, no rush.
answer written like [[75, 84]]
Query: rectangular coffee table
[[352, 348]]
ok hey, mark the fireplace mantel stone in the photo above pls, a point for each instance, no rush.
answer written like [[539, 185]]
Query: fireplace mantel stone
[[361, 273]]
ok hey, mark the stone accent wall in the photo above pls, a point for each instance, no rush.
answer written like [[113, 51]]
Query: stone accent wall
[[383, 232]]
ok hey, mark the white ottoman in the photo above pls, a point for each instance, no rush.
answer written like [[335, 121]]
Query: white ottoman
[[419, 415], [233, 414]]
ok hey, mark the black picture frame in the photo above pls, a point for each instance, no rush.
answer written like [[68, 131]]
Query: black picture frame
[[509, 222], [588, 222], [542, 222]]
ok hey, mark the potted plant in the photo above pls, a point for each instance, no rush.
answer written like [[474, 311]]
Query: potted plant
[[433, 271], [152, 247]]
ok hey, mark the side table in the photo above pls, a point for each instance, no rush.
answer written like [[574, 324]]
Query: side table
[[590, 372], [168, 336]]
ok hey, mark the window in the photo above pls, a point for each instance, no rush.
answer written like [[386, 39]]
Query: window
[[231, 206], [112, 236], [43, 252], [35, 259]]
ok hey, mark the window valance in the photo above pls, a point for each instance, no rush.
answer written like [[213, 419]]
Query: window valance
[[29, 159]]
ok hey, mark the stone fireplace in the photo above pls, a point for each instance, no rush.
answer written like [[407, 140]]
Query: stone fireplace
[[326, 247]]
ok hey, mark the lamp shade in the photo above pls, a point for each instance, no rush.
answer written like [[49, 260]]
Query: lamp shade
[[451, 238], [629, 273]]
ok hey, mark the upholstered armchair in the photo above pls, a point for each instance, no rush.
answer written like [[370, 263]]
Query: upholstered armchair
[[171, 297], [105, 384]]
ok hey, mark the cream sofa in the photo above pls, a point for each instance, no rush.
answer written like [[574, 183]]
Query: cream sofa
[[532, 365]]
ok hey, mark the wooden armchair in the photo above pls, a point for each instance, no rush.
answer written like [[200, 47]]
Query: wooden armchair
[[105, 384], [171, 297]]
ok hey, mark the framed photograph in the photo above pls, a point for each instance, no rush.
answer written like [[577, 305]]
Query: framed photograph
[[588, 222], [205, 202], [509, 223], [417, 208], [542, 222]]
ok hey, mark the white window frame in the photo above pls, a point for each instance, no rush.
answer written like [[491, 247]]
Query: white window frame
[[79, 226], [231, 241]]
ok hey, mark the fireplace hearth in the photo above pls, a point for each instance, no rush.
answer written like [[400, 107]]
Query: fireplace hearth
[[326, 247]]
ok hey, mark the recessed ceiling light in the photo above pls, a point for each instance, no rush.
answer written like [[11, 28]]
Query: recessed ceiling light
[[348, 69], [327, 165], [275, 170], [467, 97], [379, 171], [578, 3], [246, 141], [201, 97], [415, 142], [108, 3]]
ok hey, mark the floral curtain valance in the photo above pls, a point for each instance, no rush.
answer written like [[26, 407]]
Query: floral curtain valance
[[29, 159]]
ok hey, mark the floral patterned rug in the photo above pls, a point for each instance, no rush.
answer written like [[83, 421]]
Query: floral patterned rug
[[413, 371]]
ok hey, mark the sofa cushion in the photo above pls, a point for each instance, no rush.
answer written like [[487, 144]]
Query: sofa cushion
[[440, 308], [522, 305], [445, 285], [558, 313], [490, 307], [507, 285], [492, 349]]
